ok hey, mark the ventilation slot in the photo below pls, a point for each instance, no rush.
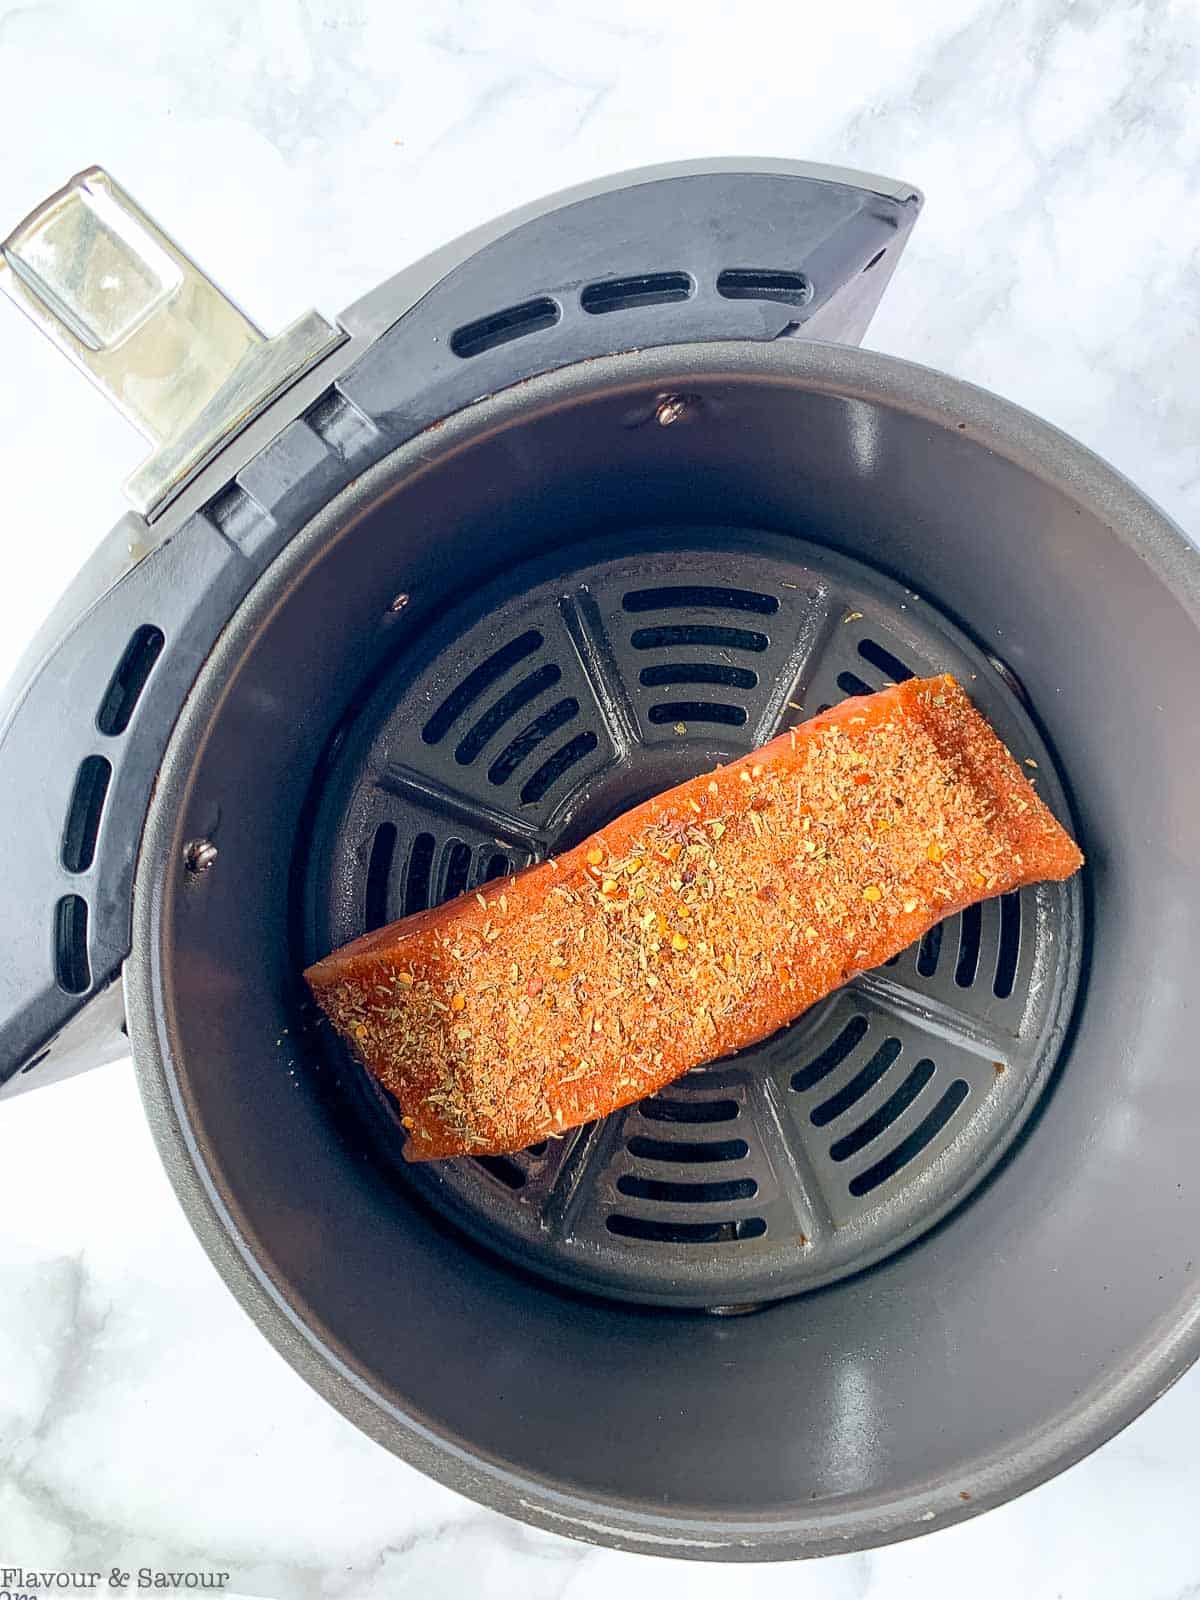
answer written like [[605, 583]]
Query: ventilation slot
[[848, 683], [626, 294], [532, 316], [970, 928], [860, 1084], [507, 1172], [1010, 945], [698, 672], [538, 1149], [128, 681], [497, 866], [511, 757], [698, 711], [70, 945], [475, 684], [659, 1110], [690, 1153], [693, 597], [672, 636], [504, 710], [685, 1194], [420, 868], [755, 283], [910, 1147], [832, 1056], [457, 869], [880, 1120], [379, 873], [929, 951], [891, 666], [686, 1232], [83, 818], [551, 771]]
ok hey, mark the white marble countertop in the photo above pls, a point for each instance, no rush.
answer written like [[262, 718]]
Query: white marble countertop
[[304, 151]]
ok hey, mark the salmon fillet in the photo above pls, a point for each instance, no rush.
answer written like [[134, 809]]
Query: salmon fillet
[[693, 925]]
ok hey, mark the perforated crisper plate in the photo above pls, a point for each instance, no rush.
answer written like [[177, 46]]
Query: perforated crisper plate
[[558, 699]]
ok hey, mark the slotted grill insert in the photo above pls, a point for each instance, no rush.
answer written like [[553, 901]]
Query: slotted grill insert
[[557, 701]]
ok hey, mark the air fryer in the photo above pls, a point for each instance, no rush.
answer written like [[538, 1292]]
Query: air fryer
[[596, 498]]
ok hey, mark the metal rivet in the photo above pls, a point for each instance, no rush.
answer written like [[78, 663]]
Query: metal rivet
[[199, 855], [671, 409], [399, 603]]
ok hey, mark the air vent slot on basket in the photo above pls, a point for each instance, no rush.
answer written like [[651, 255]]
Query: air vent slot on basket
[[694, 597], [850, 683], [643, 289], [860, 1084], [526, 742], [127, 682], [477, 682], [548, 774], [832, 1056], [655, 1232], [765, 283], [686, 711], [503, 1168], [686, 1194], [698, 672], [501, 327], [83, 815], [457, 859], [676, 635], [70, 945], [891, 666], [929, 951], [689, 1152], [497, 867], [911, 1146], [660, 1110], [1010, 945], [970, 930], [882, 1118], [419, 875], [504, 709], [379, 875]]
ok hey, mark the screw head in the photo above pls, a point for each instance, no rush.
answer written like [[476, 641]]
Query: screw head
[[399, 603], [672, 408], [199, 855]]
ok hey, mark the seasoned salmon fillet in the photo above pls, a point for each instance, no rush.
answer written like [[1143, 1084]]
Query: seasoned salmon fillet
[[693, 925]]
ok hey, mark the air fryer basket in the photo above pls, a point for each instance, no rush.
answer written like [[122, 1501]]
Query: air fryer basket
[[1038, 1317], [561, 516]]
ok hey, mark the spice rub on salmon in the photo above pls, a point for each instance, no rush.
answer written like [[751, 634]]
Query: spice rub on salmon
[[693, 925]]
